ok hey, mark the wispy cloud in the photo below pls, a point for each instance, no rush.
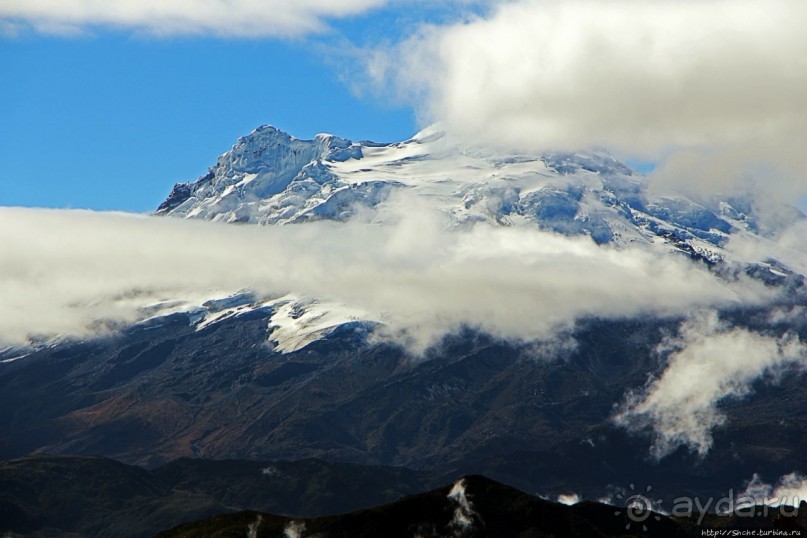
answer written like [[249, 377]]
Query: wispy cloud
[[569, 499], [223, 18], [63, 271], [708, 363], [790, 489], [713, 87]]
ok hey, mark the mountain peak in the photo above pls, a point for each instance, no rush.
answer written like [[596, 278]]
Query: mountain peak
[[259, 166], [271, 177]]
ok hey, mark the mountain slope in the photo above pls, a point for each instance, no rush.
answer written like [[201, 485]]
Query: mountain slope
[[272, 178], [59, 496], [247, 376], [269, 177], [67, 496], [540, 419], [89, 496], [475, 506]]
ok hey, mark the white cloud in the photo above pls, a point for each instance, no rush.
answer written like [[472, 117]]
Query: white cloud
[[788, 247], [709, 362], [63, 271], [464, 513], [226, 18], [790, 490], [294, 529], [714, 86]]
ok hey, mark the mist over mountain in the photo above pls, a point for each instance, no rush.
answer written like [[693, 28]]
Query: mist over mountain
[[548, 320], [420, 238], [572, 304]]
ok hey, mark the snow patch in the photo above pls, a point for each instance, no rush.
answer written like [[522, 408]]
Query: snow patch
[[464, 513], [12, 359], [296, 324], [252, 530], [294, 529]]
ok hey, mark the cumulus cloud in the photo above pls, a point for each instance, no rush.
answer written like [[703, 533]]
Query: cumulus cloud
[[227, 18], [75, 272], [714, 88], [787, 246], [790, 490], [568, 499], [295, 529], [709, 362]]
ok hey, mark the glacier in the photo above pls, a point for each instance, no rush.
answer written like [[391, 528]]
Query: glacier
[[272, 178]]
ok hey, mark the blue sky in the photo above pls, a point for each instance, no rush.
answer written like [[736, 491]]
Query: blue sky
[[112, 118], [105, 105]]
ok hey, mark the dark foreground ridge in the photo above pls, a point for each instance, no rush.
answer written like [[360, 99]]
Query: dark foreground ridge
[[63, 496], [476, 506], [60, 496]]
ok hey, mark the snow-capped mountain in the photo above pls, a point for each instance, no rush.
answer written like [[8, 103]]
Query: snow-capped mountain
[[225, 371], [270, 177]]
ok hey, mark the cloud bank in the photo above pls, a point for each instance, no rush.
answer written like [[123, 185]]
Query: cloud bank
[[73, 272], [790, 490], [709, 362], [714, 88], [223, 18]]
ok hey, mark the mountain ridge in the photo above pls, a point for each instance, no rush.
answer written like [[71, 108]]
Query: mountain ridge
[[584, 194], [270, 177], [68, 496]]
